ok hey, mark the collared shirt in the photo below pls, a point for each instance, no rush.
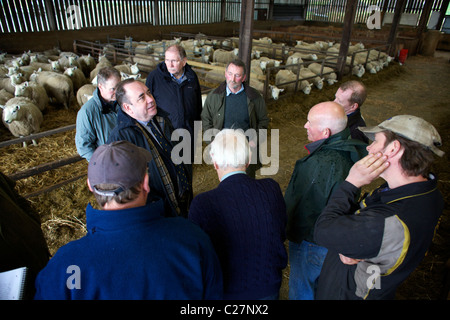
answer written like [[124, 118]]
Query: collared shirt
[[180, 80], [231, 173], [229, 91], [144, 124]]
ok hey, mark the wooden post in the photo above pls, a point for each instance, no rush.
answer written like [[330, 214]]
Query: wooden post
[[350, 11], [399, 7], [423, 21], [156, 12], [245, 34], [223, 10], [50, 15]]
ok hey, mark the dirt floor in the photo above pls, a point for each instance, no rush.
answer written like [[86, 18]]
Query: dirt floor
[[419, 87]]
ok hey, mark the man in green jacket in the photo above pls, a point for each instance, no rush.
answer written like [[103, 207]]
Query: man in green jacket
[[235, 105], [331, 155]]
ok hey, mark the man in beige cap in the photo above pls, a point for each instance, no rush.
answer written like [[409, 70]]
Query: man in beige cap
[[374, 245]]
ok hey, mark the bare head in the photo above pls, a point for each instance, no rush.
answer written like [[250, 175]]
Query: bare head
[[324, 120]]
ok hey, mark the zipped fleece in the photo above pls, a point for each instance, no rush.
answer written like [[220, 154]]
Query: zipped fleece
[[391, 231]]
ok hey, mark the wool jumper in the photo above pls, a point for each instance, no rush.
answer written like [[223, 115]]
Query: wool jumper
[[236, 112], [245, 219], [134, 254]]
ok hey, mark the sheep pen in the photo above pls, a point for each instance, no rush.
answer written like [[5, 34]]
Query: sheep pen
[[419, 87]]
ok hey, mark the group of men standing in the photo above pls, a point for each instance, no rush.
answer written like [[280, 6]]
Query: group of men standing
[[334, 242]]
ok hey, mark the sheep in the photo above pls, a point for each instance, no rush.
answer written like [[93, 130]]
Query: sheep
[[128, 68], [87, 63], [38, 57], [358, 70], [146, 63], [316, 46], [85, 93], [34, 92], [22, 117], [259, 85], [283, 76], [5, 96], [328, 73], [293, 60], [69, 61], [59, 87], [215, 76], [77, 76], [50, 66], [102, 62], [307, 74], [256, 66], [143, 48], [9, 83], [224, 57]]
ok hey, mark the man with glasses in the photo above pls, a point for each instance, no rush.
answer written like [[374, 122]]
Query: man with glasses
[[236, 105], [176, 90]]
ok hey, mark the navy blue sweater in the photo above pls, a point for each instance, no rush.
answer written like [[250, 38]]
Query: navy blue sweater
[[133, 254], [245, 219]]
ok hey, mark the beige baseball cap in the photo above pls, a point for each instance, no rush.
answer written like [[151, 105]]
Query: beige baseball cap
[[410, 127]]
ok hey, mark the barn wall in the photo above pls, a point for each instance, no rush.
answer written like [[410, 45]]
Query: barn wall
[[39, 41]]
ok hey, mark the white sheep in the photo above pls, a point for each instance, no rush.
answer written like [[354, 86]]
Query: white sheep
[[358, 70], [58, 86], [69, 61], [77, 76], [22, 117], [146, 63], [5, 96], [307, 74], [10, 82], [328, 73], [87, 63], [259, 85], [215, 76], [284, 77], [128, 68], [85, 93], [224, 57], [102, 62], [50, 66], [34, 92]]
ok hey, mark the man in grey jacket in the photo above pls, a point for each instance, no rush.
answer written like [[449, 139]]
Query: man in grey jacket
[[98, 116]]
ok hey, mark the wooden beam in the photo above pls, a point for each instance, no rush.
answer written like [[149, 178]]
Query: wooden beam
[[44, 167], [245, 34], [349, 18], [399, 8], [442, 12]]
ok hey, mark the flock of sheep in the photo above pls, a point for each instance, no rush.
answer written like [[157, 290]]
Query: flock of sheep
[[28, 83]]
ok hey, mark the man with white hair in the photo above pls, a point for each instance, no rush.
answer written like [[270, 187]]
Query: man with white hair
[[374, 245], [245, 219], [315, 177]]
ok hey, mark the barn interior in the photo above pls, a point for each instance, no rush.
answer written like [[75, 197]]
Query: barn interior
[[415, 80]]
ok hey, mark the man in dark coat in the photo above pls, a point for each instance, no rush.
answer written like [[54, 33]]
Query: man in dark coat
[[176, 90], [351, 95], [140, 122]]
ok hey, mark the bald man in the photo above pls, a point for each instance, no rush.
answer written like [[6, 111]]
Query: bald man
[[331, 155]]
